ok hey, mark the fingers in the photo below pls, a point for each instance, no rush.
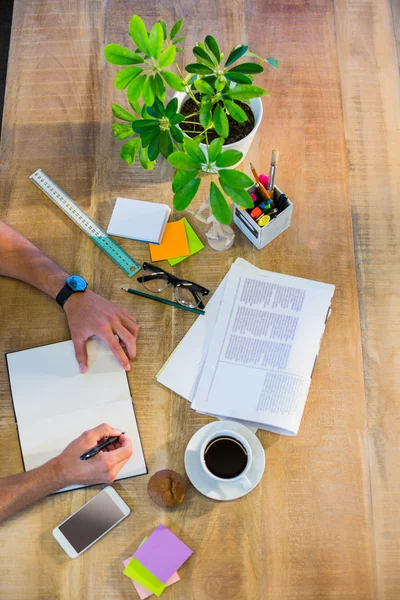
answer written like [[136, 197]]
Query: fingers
[[102, 431], [80, 353], [128, 340], [115, 347], [124, 452]]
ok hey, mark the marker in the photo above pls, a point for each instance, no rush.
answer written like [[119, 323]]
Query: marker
[[256, 212], [93, 451], [263, 220]]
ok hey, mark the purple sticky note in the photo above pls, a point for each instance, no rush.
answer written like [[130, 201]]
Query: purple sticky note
[[162, 553]]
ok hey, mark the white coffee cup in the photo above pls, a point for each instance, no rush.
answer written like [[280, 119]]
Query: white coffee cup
[[242, 477]]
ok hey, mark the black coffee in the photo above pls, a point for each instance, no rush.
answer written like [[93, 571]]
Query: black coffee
[[225, 457]]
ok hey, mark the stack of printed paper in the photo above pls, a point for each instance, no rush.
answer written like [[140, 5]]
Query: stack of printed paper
[[154, 565], [251, 357]]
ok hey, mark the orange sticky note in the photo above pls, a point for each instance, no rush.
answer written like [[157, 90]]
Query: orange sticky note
[[173, 244]]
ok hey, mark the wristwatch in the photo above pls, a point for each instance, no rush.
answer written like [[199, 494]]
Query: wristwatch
[[74, 284]]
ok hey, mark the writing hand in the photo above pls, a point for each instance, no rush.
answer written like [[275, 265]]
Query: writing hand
[[102, 468]]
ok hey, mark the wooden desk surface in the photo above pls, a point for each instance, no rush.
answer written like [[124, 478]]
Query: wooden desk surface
[[325, 521]]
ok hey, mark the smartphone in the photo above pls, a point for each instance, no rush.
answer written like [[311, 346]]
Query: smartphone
[[91, 522]]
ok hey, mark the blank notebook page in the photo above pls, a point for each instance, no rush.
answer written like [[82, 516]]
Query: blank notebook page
[[54, 403]]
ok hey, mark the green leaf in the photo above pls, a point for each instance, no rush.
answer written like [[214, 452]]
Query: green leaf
[[219, 206], [129, 150], [164, 27], [166, 146], [174, 81], [121, 131], [144, 160], [176, 119], [176, 134], [153, 149], [135, 89], [148, 92], [247, 68], [219, 84], [235, 111], [159, 107], [182, 178], [179, 49], [236, 53], [228, 158], [122, 114], [238, 77], [246, 92], [213, 46], [272, 61], [167, 57], [118, 55], [159, 87], [138, 32], [139, 126], [183, 198], [198, 68], [125, 76], [147, 135], [171, 108], [179, 40], [220, 122], [153, 112], [156, 40], [214, 149], [239, 196], [203, 87], [182, 162], [193, 150], [202, 55], [205, 116], [236, 179], [176, 28]]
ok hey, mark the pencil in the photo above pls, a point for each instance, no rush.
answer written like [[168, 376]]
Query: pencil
[[259, 185], [198, 311]]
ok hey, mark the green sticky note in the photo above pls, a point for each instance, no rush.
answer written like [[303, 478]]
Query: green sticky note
[[195, 243], [136, 571]]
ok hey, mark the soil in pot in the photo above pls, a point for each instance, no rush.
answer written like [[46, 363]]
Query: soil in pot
[[237, 131]]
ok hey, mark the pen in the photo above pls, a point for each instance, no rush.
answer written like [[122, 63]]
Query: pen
[[198, 311], [99, 447], [272, 170]]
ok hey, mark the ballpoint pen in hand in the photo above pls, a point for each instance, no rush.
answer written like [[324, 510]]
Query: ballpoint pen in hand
[[93, 451]]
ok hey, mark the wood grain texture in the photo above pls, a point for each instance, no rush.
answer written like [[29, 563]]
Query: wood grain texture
[[306, 532], [370, 88]]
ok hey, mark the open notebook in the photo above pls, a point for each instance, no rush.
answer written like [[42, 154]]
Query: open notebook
[[54, 403]]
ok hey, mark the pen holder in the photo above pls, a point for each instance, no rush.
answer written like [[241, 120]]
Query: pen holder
[[261, 236]]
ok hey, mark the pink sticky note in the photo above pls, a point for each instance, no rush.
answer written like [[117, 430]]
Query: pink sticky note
[[143, 593]]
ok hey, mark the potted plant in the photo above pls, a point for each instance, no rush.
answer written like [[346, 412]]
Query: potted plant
[[206, 128]]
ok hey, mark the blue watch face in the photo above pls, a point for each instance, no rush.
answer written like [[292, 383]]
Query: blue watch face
[[76, 283]]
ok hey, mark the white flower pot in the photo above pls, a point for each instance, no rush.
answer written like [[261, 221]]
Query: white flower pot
[[242, 145]]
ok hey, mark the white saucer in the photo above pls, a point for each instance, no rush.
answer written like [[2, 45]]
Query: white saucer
[[226, 490]]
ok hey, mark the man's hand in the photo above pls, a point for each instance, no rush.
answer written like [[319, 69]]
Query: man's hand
[[19, 491], [89, 314], [102, 468]]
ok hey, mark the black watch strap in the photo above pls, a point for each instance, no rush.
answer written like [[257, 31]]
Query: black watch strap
[[64, 294]]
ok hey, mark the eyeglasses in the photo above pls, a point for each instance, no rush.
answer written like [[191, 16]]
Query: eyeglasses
[[186, 292]]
